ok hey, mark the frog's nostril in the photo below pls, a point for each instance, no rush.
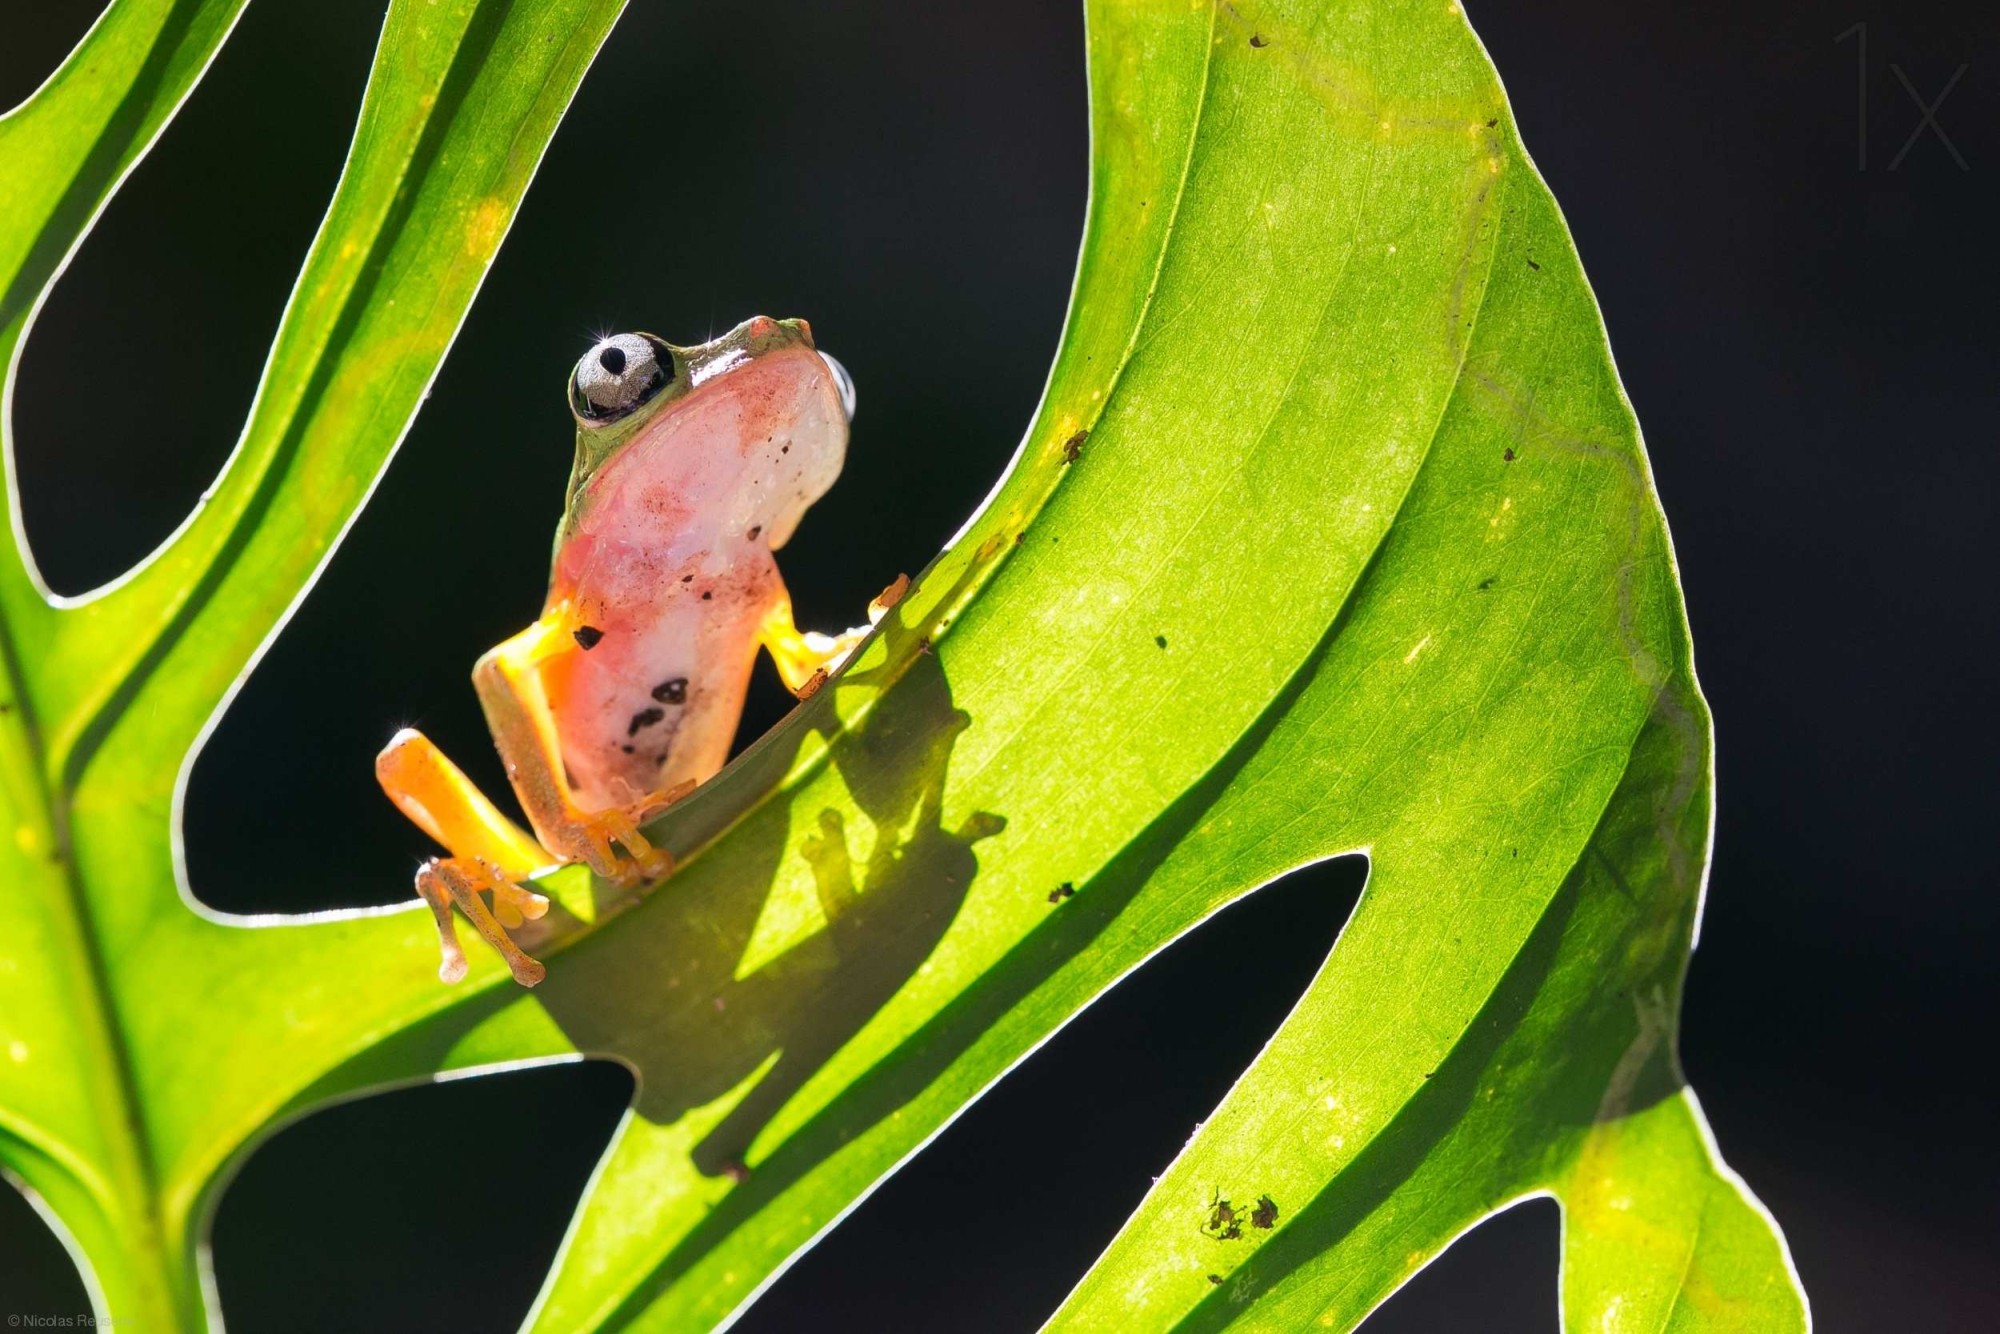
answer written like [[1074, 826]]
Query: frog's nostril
[[612, 359]]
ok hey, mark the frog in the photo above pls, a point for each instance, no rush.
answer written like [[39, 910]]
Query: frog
[[693, 466]]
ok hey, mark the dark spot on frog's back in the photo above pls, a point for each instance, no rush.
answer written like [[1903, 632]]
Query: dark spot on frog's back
[[588, 637], [643, 718], [672, 692]]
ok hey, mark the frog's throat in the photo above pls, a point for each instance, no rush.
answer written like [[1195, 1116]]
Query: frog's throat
[[693, 367]]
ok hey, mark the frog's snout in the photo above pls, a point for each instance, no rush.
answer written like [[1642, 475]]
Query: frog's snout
[[841, 381]]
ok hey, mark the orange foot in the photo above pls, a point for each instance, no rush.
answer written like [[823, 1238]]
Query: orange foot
[[588, 836], [444, 881]]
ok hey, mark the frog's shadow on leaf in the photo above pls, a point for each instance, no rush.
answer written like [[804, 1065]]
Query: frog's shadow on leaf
[[662, 991]]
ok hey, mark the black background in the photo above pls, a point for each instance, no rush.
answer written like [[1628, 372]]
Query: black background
[[1805, 340]]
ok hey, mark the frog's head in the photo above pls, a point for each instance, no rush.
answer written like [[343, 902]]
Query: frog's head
[[638, 393]]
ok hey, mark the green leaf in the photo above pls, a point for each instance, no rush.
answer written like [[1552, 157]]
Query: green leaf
[[147, 1042], [1333, 534]]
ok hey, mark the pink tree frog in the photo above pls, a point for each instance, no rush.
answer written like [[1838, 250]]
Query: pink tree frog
[[692, 466]]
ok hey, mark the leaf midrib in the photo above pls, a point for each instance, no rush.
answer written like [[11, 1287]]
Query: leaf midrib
[[127, 1186]]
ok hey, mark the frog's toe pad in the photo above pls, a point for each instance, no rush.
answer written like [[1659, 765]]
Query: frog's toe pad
[[514, 905]]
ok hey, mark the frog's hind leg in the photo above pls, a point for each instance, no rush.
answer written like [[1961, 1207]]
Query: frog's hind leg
[[805, 658], [511, 690], [490, 853]]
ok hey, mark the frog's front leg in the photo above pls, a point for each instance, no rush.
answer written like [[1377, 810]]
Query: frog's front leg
[[805, 658], [512, 691], [489, 853]]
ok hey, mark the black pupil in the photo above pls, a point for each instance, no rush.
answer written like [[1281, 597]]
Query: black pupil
[[612, 359]]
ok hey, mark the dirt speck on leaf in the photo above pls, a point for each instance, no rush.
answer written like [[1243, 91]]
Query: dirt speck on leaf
[[1225, 1221]]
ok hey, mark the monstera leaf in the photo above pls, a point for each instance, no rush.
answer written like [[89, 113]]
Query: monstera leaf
[[1333, 534]]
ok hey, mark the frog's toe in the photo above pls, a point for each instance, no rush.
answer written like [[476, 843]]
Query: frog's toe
[[660, 800], [644, 863], [596, 850], [451, 881], [514, 905], [451, 961], [656, 864], [601, 835]]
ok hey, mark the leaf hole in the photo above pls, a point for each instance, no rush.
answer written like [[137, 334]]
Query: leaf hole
[[1500, 1275], [139, 370], [976, 145], [36, 1272], [990, 1226], [39, 37], [436, 1207]]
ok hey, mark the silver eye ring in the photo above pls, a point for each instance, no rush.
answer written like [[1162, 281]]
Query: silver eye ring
[[619, 374]]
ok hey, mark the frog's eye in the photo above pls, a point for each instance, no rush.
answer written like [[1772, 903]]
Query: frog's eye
[[619, 374], [842, 381]]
